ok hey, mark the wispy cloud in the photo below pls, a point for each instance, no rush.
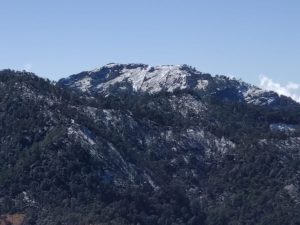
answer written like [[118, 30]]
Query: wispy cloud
[[291, 89], [27, 67]]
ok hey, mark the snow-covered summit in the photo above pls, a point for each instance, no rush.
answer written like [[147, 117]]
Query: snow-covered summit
[[142, 78]]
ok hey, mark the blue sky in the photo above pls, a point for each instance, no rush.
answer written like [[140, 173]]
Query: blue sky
[[246, 39]]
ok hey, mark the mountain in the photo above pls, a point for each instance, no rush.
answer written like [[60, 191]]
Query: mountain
[[134, 144], [141, 78]]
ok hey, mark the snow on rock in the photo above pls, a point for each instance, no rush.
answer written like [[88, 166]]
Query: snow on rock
[[28, 199], [223, 145], [150, 79], [81, 134], [133, 75], [83, 84], [151, 182], [196, 138], [84, 137], [282, 127], [255, 95], [166, 78], [169, 78], [202, 84], [143, 78], [125, 167]]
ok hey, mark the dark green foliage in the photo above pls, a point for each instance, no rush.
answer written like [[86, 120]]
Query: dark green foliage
[[67, 184]]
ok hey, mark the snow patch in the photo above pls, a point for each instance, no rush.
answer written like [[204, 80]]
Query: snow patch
[[80, 134], [142, 78], [202, 84], [255, 95], [27, 199], [282, 127], [151, 182], [84, 84]]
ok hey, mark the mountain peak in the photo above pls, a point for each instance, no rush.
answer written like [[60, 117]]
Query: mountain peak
[[117, 66], [143, 78], [139, 77], [132, 66]]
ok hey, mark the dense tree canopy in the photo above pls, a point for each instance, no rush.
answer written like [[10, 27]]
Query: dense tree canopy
[[68, 158]]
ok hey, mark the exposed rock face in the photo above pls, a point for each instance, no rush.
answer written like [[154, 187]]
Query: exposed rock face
[[12, 219], [134, 144]]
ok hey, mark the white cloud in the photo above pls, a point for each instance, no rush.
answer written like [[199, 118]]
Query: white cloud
[[27, 67], [291, 89]]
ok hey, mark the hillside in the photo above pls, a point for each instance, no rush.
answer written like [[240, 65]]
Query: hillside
[[134, 144]]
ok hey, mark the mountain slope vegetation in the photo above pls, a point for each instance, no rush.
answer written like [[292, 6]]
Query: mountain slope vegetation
[[133, 144]]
